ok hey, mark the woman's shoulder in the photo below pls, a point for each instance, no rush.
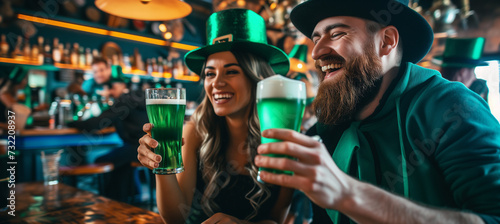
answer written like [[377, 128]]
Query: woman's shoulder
[[190, 134]]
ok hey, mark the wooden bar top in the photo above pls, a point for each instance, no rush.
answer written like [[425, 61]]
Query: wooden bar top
[[36, 203], [61, 131]]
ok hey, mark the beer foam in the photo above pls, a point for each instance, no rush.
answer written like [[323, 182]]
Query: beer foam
[[166, 101], [278, 86]]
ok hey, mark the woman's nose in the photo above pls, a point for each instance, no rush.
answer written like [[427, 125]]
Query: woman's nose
[[218, 82]]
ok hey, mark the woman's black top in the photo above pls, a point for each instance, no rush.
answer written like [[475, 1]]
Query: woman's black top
[[231, 199]]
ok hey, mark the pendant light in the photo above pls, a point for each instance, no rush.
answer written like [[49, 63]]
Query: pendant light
[[147, 10]]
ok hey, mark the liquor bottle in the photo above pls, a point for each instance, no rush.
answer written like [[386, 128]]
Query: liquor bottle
[[40, 44], [47, 55], [95, 53], [81, 59], [168, 67], [66, 54], [154, 65], [178, 70], [56, 51], [74, 54], [26, 49], [17, 53], [88, 57], [4, 47], [149, 66], [34, 52], [160, 65]]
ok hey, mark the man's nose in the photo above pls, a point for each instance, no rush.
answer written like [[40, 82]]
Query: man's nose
[[321, 49]]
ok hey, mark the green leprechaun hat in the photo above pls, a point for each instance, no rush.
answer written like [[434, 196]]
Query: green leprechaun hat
[[238, 29], [462, 52]]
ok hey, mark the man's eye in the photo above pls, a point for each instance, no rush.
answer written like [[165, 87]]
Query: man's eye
[[315, 40], [336, 35]]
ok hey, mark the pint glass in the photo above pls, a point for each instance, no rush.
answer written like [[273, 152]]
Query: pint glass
[[166, 107], [280, 104]]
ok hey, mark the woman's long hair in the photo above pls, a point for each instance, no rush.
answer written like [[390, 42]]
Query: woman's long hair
[[215, 168]]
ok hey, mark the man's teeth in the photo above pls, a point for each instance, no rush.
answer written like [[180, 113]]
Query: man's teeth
[[223, 96], [330, 66]]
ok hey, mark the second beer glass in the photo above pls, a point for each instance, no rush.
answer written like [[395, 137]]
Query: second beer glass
[[166, 108], [280, 104]]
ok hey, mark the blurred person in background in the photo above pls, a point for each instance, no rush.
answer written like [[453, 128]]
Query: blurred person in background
[[460, 57], [127, 115], [9, 86], [98, 85]]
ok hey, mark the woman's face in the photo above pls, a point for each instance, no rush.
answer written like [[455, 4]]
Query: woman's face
[[227, 87]]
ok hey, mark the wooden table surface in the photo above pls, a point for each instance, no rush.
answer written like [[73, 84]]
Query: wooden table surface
[[36, 203]]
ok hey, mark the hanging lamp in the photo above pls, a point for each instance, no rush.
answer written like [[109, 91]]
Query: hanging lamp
[[147, 10]]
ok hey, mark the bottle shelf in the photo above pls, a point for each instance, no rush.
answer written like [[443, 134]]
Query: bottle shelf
[[72, 67], [32, 64]]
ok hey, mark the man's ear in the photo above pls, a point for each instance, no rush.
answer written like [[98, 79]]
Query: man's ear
[[390, 40]]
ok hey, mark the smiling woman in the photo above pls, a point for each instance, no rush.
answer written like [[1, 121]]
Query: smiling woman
[[222, 137]]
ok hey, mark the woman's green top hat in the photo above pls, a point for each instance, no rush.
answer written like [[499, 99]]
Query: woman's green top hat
[[462, 52], [237, 29]]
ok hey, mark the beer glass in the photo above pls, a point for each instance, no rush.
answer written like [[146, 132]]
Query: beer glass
[[280, 104], [166, 108]]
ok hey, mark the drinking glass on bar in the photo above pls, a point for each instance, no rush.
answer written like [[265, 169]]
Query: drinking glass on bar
[[166, 108], [280, 104]]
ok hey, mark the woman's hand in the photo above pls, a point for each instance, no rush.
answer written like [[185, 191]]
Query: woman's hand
[[221, 218], [144, 152]]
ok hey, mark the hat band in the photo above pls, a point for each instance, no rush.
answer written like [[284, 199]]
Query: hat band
[[223, 39]]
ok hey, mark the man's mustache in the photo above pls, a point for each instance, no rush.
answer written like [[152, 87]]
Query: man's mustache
[[329, 59]]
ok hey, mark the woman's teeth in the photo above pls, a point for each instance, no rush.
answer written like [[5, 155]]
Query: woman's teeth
[[331, 66], [223, 96]]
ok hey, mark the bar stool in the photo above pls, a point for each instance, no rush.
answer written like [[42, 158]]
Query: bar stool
[[147, 173], [97, 169]]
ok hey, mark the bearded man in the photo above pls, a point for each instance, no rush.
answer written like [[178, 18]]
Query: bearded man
[[408, 146]]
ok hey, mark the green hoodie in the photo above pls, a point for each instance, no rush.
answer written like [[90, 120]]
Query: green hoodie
[[430, 140]]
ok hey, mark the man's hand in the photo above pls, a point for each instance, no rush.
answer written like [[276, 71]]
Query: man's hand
[[325, 184], [315, 173]]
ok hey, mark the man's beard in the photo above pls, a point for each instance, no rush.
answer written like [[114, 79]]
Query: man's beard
[[339, 100]]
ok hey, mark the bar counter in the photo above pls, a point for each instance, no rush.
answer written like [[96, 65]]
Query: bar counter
[[45, 138], [60, 203], [77, 144]]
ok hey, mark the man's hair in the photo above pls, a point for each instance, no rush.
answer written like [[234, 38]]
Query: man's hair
[[98, 60], [372, 27]]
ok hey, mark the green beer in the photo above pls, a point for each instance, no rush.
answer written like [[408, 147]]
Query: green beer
[[280, 104], [280, 113], [167, 116]]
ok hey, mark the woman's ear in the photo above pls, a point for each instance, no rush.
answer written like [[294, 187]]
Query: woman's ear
[[390, 40]]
